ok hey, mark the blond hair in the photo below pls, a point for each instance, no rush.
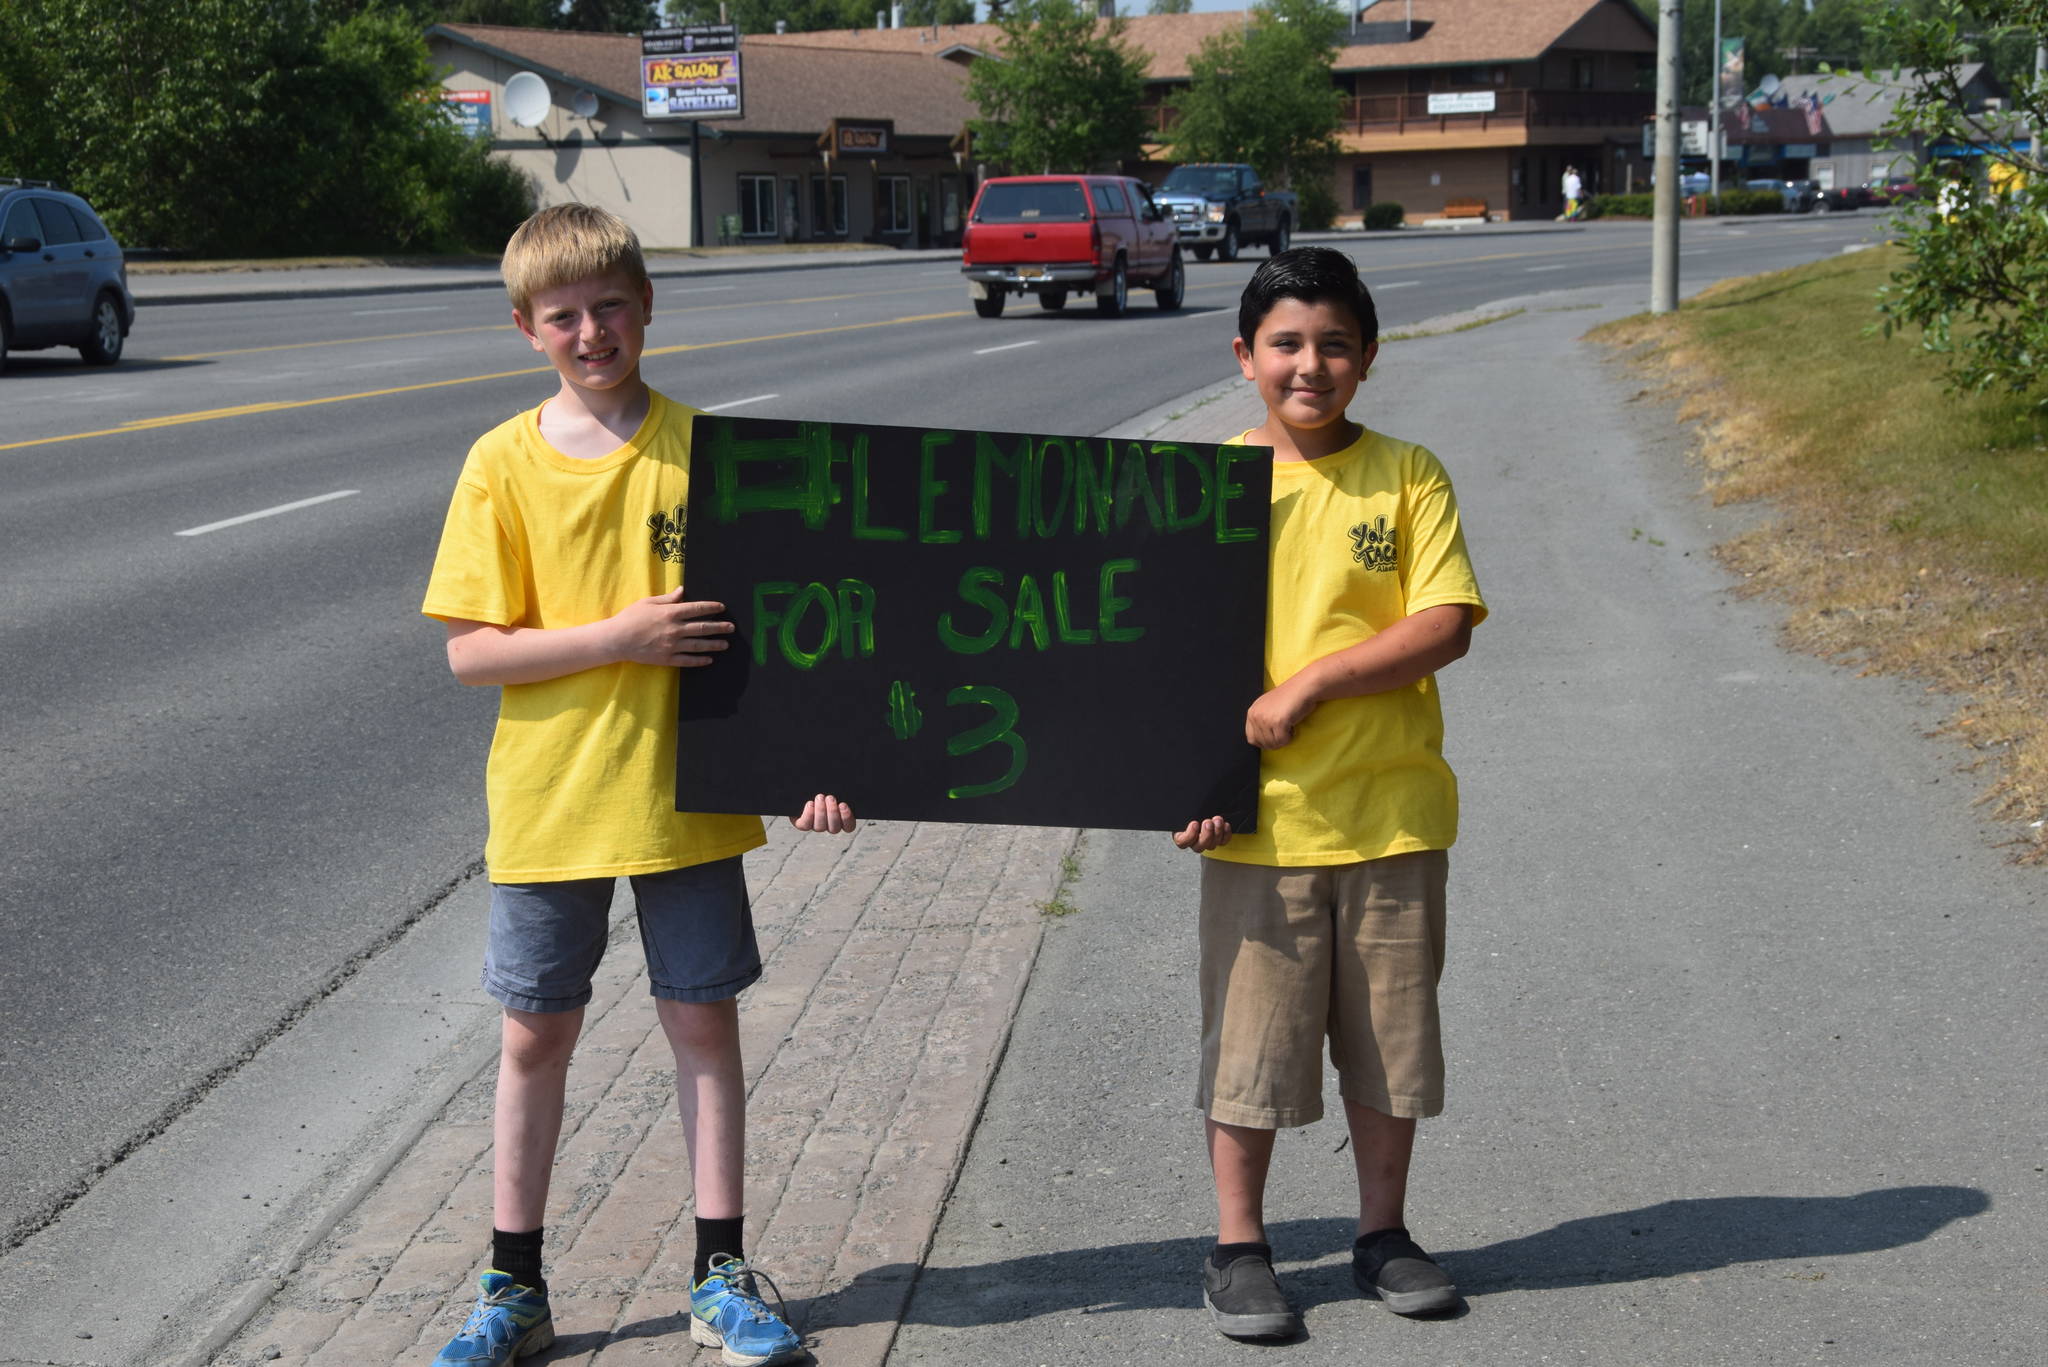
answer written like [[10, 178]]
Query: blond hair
[[564, 243]]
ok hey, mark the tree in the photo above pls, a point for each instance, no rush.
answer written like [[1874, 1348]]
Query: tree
[[1263, 94], [1063, 95], [1170, 7], [513, 13], [609, 16], [1976, 284], [229, 127], [920, 13]]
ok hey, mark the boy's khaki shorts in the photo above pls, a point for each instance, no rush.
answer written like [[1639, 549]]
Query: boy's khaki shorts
[[1289, 955]]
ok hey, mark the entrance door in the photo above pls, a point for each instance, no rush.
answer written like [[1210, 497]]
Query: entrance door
[[792, 209], [924, 211]]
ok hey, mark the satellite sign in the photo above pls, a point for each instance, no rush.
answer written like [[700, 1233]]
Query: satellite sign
[[691, 73]]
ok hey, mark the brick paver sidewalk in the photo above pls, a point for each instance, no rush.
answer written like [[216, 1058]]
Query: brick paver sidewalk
[[895, 959]]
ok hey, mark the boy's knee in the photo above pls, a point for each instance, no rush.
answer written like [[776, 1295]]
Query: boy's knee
[[533, 1041], [698, 1026]]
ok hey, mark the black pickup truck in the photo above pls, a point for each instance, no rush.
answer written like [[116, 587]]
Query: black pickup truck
[[1218, 207]]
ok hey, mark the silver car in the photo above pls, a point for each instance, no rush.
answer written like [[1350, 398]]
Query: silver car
[[63, 280]]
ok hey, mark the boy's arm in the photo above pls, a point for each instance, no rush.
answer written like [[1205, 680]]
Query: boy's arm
[[1412, 648], [662, 630]]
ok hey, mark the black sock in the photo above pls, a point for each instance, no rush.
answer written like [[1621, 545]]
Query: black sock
[[715, 1237], [518, 1257], [1220, 1256]]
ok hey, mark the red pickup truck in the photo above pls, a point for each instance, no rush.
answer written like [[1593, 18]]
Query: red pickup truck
[[1053, 236]]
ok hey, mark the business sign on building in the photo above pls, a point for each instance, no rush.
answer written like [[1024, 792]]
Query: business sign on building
[[1695, 138], [1462, 102], [691, 73], [859, 137], [470, 110]]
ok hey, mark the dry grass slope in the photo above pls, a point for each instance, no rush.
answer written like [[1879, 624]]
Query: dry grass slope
[[1911, 527]]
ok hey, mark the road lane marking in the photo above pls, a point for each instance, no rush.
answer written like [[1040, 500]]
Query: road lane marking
[[701, 289], [415, 308], [278, 406], [736, 403], [1008, 346], [1397, 284], [268, 512], [1534, 269]]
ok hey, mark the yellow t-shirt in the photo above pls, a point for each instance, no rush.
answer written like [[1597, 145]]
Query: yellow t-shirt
[[1360, 539], [581, 780]]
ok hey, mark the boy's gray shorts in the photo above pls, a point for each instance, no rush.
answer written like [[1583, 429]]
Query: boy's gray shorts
[[696, 925]]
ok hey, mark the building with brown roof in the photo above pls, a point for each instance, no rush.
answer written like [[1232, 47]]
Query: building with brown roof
[[1475, 101], [1445, 99], [832, 144]]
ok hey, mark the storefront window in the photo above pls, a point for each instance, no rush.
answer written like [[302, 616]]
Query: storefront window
[[895, 206], [757, 206], [828, 205]]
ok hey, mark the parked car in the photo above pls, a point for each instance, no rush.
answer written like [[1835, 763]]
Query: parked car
[[1843, 197], [1054, 236], [1796, 199], [63, 280], [1220, 206], [1891, 189]]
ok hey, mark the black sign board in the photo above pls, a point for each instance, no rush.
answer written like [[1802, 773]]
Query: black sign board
[[690, 38], [975, 626]]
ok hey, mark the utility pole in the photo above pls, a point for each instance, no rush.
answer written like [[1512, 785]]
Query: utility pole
[[1664, 234], [1714, 110]]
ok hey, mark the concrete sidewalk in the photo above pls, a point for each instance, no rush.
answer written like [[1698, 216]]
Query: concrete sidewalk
[[895, 959], [1742, 1009]]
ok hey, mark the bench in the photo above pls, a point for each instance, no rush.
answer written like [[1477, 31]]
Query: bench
[[1464, 208]]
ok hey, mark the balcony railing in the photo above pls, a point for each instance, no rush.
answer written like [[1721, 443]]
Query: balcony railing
[[1511, 109]]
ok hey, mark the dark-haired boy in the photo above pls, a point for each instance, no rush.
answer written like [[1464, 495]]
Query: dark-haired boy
[[1329, 920]]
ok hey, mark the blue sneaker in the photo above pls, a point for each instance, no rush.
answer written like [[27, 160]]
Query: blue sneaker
[[509, 1321], [726, 1312]]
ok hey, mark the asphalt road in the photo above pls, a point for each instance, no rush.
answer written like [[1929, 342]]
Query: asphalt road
[[234, 762]]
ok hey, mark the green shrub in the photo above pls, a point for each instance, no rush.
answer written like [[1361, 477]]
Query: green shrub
[[1732, 202], [1318, 205], [1624, 206], [1385, 215]]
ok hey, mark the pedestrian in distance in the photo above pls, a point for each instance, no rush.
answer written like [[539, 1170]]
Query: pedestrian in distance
[[1329, 919], [1574, 193], [560, 578]]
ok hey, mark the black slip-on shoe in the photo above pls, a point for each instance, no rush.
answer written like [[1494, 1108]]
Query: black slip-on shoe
[[1245, 1301], [1388, 1264]]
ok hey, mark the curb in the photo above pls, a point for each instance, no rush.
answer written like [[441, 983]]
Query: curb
[[490, 280]]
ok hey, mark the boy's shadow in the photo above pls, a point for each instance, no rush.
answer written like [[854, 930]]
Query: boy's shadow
[[1671, 1238], [1667, 1239]]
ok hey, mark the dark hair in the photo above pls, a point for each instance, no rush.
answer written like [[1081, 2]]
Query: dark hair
[[1314, 275]]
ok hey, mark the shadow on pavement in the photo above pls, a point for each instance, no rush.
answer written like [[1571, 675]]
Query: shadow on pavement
[[1671, 1238]]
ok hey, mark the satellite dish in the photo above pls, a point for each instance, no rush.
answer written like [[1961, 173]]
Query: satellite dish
[[584, 103], [1769, 85], [527, 99]]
